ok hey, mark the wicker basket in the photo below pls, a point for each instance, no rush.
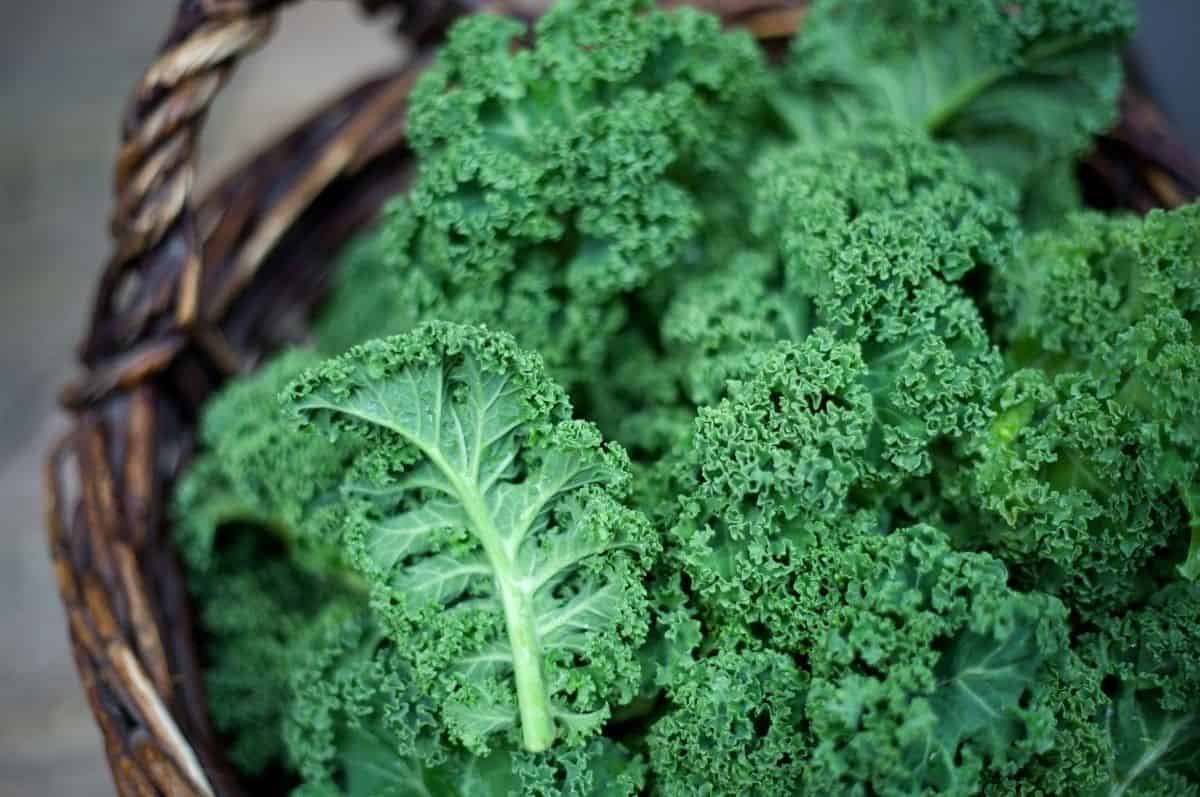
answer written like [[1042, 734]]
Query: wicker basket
[[198, 291]]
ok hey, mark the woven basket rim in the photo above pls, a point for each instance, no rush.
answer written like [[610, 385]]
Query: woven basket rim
[[195, 293]]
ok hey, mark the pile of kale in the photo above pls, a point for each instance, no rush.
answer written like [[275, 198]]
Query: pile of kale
[[696, 426]]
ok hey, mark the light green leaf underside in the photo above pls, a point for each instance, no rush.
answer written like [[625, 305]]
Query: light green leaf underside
[[483, 522]]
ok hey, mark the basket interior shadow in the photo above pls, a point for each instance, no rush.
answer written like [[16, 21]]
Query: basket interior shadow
[[199, 291]]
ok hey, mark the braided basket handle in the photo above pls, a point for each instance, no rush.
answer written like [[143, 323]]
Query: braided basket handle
[[149, 302]]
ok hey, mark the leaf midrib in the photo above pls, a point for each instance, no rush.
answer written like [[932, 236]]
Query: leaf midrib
[[1147, 759], [520, 619]]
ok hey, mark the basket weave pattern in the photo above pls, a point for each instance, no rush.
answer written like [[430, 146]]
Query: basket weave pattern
[[198, 291]]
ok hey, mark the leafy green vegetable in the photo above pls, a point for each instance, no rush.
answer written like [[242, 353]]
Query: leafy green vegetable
[[696, 426], [923, 681], [1021, 87], [358, 720], [1154, 726], [339, 729], [491, 530], [257, 608], [1092, 464], [736, 719], [255, 534], [260, 470], [554, 178]]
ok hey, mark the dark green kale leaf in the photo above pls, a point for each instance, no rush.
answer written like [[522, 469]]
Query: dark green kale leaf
[[1021, 87]]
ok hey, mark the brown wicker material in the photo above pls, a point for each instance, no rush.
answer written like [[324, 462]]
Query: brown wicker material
[[197, 291]]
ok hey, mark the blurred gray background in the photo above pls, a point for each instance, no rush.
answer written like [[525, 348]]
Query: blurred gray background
[[65, 69]]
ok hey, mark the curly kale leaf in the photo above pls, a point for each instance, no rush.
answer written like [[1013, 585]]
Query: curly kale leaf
[[866, 238], [1077, 493], [257, 469], [599, 768], [1154, 719], [491, 529], [787, 445], [808, 193], [775, 552], [555, 179], [1071, 292], [255, 608], [929, 672], [1092, 464], [922, 671], [356, 719], [252, 525], [1127, 703], [1021, 87], [814, 432], [359, 727], [733, 728]]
